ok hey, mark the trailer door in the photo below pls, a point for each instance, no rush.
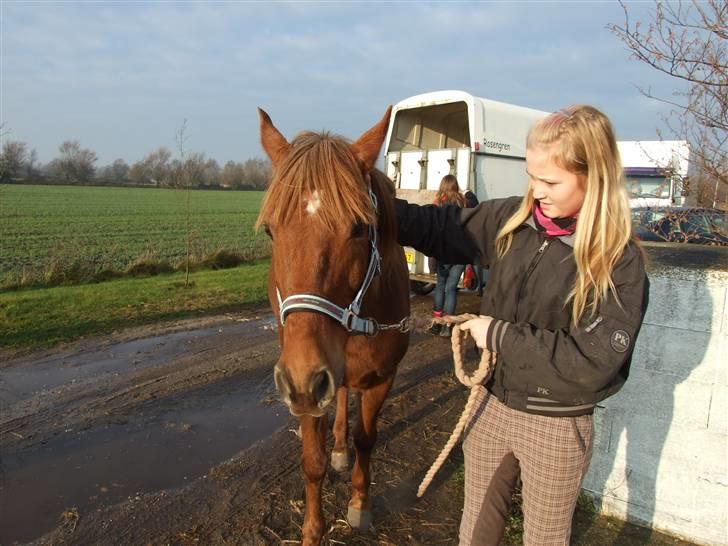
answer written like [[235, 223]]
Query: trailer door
[[463, 170], [439, 163], [411, 170]]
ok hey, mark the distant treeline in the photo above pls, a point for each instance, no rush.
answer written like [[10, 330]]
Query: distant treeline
[[77, 166], [41, 180]]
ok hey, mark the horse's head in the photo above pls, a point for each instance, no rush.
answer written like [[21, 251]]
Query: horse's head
[[317, 211]]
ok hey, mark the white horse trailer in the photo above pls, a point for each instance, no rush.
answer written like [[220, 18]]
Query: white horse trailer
[[481, 141]]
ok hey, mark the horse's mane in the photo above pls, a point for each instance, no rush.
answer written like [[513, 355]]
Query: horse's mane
[[324, 163]]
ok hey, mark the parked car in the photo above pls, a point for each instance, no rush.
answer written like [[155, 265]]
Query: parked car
[[703, 226]]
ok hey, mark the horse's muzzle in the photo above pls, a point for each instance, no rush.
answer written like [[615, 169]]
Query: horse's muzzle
[[317, 392]]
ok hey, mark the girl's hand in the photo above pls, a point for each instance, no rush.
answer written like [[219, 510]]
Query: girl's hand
[[478, 329]]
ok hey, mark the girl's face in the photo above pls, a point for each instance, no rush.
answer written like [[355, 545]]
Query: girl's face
[[559, 192]]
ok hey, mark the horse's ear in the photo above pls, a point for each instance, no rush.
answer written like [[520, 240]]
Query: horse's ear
[[366, 149], [274, 143]]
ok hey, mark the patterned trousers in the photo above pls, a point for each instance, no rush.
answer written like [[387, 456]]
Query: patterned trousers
[[551, 455]]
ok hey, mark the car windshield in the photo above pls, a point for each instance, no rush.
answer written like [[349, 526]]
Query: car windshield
[[719, 223], [682, 224], [645, 217], [694, 223]]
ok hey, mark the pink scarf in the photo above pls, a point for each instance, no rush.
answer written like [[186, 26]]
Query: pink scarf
[[553, 227]]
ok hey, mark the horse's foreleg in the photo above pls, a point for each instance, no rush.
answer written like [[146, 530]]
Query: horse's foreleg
[[340, 453], [313, 459], [365, 436]]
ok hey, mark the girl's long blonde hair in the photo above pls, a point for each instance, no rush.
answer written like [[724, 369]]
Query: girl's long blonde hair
[[581, 140]]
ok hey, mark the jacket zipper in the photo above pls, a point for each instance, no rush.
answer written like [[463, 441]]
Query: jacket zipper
[[534, 262]]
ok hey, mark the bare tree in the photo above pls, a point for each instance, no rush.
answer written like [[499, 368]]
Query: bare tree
[[31, 164], [193, 169], [253, 174], [689, 41], [76, 164], [257, 173], [13, 158], [154, 168], [232, 175], [118, 171], [211, 173], [183, 180]]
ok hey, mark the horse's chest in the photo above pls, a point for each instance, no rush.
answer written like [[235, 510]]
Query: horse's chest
[[371, 361]]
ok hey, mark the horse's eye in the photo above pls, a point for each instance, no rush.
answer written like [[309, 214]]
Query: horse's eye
[[358, 230]]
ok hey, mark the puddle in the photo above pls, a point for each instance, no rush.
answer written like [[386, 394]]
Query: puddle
[[102, 466], [19, 381]]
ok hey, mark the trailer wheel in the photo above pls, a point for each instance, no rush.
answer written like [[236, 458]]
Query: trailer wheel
[[422, 288]]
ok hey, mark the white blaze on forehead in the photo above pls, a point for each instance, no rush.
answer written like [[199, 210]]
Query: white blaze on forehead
[[314, 203]]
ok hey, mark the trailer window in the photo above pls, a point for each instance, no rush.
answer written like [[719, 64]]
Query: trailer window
[[431, 127], [648, 186]]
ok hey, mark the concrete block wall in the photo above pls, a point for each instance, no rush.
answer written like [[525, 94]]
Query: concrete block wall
[[661, 444]]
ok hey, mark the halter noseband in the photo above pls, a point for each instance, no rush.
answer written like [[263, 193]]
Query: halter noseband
[[348, 317]]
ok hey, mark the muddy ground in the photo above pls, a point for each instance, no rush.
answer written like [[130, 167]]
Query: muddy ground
[[172, 434]]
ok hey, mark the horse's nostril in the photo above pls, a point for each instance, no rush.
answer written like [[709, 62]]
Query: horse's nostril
[[321, 385]]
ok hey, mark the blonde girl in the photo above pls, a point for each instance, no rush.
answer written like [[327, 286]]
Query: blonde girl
[[564, 303]]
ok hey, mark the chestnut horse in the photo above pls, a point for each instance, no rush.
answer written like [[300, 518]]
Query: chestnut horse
[[338, 284]]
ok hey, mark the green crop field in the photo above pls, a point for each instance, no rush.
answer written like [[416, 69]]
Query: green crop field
[[67, 234]]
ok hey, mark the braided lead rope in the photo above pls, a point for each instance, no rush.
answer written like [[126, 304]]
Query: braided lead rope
[[473, 381]]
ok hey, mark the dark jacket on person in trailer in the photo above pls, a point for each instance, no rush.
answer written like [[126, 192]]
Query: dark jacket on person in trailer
[[544, 364], [470, 199]]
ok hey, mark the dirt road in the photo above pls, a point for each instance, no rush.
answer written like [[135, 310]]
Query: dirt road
[[172, 434]]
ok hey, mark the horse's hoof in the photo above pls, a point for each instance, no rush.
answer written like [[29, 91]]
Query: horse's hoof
[[340, 460], [359, 519]]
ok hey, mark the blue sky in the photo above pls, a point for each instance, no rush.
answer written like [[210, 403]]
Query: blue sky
[[122, 76]]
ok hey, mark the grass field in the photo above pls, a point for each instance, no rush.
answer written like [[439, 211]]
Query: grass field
[[66, 234], [45, 316]]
